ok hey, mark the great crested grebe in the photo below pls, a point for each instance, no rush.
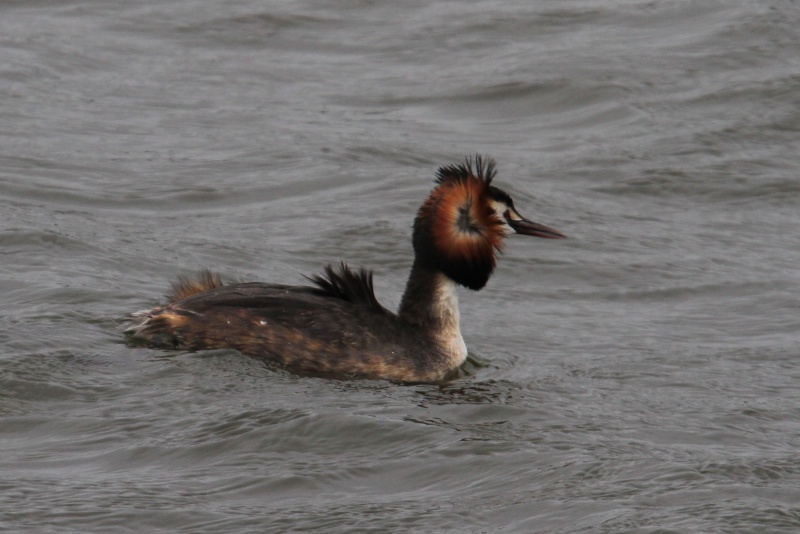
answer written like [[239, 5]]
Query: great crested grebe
[[337, 327]]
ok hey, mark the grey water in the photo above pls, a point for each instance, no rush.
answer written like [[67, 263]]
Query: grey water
[[641, 376]]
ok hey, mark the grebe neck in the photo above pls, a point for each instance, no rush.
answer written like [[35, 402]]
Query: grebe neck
[[430, 302]]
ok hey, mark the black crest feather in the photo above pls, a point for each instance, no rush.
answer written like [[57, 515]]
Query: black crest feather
[[481, 168], [355, 287]]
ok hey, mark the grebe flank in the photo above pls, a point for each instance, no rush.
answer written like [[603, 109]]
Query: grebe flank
[[337, 327]]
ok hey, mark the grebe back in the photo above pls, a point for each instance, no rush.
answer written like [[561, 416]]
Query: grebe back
[[337, 327]]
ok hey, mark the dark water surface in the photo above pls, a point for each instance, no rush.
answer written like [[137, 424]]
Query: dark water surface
[[642, 376]]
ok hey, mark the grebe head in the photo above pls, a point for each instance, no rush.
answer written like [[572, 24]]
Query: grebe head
[[461, 226]]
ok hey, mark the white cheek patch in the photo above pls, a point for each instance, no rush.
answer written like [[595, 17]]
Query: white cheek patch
[[499, 207], [502, 209]]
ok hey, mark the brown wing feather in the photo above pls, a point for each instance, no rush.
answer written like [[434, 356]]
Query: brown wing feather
[[355, 287], [186, 286]]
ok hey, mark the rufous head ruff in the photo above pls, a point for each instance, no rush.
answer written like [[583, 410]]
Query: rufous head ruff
[[456, 230]]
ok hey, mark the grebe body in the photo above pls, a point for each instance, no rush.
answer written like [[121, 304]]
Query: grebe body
[[337, 327]]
